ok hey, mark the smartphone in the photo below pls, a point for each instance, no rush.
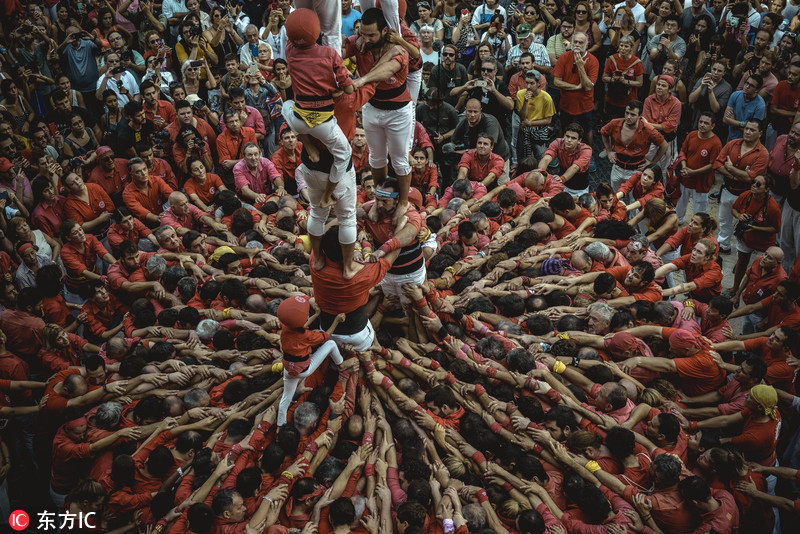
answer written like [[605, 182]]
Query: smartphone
[[196, 63], [157, 117], [481, 83]]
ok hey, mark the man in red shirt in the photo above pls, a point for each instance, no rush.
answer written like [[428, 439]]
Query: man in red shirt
[[717, 508], [627, 142], [760, 281], [781, 309], [409, 267], [575, 75], [573, 158], [287, 159], [145, 195], [111, 174], [231, 142], [160, 112], [701, 148], [739, 162], [23, 326], [481, 164], [387, 116], [156, 166], [360, 150]]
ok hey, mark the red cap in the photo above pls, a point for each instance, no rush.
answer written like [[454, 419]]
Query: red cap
[[293, 312], [415, 197], [302, 27]]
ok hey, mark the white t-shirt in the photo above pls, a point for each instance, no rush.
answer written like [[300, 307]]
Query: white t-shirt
[[637, 10]]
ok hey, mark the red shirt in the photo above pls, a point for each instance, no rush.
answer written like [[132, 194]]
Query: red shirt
[[163, 170], [260, 182], [71, 461], [48, 218], [100, 318], [164, 109], [699, 153], [650, 292], [633, 185], [478, 191], [707, 277], [232, 148], [629, 71], [581, 156], [23, 332], [285, 165], [111, 182], [477, 170], [580, 101], [699, 374], [317, 71], [99, 201], [76, 261], [55, 310], [754, 161], [140, 203], [765, 213], [13, 367], [299, 345], [758, 440], [635, 151], [683, 241], [336, 295], [667, 114], [780, 374], [117, 234], [785, 98], [427, 180], [761, 284], [723, 520], [365, 62], [58, 359], [206, 190], [359, 162]]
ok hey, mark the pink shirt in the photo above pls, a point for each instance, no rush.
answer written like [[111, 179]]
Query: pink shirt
[[261, 181], [681, 323], [254, 120], [191, 220]]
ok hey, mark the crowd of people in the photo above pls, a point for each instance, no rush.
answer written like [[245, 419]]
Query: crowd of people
[[315, 266]]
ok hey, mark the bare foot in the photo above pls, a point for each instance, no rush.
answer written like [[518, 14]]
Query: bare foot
[[349, 272], [319, 262]]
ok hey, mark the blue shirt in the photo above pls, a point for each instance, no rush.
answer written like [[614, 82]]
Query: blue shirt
[[82, 66], [349, 20], [744, 110]]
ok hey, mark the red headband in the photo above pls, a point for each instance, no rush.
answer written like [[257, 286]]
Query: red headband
[[80, 421], [24, 246]]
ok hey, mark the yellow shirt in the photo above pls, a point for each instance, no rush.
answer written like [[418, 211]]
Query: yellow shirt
[[539, 107]]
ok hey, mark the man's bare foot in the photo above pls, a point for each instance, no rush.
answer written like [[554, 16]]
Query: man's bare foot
[[348, 272], [319, 262]]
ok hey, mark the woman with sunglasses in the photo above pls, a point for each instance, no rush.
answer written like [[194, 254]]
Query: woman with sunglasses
[[426, 18], [192, 80], [484, 52], [530, 16], [584, 23], [222, 36]]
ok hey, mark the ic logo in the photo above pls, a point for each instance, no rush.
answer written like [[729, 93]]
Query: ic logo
[[18, 520]]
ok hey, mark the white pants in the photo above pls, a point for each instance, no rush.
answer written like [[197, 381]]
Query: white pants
[[345, 194], [515, 122], [575, 192], [619, 175], [392, 284], [666, 258], [668, 157], [361, 341], [726, 223], [388, 132], [329, 134], [699, 203], [290, 383], [414, 80], [790, 236], [390, 11], [330, 20]]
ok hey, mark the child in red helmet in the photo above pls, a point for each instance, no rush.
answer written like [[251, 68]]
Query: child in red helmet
[[317, 73], [297, 344]]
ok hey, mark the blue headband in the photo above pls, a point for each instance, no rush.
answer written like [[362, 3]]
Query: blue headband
[[386, 194]]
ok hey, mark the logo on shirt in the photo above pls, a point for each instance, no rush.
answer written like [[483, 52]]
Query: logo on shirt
[[704, 152], [101, 205]]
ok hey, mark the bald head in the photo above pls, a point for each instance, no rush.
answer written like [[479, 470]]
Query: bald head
[[542, 230], [535, 181], [776, 253]]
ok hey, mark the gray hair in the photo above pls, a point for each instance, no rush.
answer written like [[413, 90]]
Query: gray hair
[[207, 328], [475, 516], [605, 311], [306, 415], [156, 265], [510, 328], [641, 239], [135, 161], [272, 306], [329, 470], [196, 398], [627, 39], [456, 203], [108, 415], [477, 217], [597, 250], [250, 145]]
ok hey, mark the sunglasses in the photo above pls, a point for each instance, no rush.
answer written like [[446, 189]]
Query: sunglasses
[[488, 70], [448, 54], [581, 12]]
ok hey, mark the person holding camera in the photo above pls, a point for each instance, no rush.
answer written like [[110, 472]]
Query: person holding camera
[[78, 51], [34, 47], [711, 94], [491, 92], [188, 144], [129, 58], [193, 46], [758, 217], [118, 79]]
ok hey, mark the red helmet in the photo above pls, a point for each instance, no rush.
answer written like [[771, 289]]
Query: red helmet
[[302, 27]]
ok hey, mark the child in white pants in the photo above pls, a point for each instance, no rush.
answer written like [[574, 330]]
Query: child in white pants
[[297, 344]]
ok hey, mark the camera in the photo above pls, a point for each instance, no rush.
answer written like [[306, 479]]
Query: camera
[[118, 70], [199, 104], [198, 142], [195, 31], [734, 22], [75, 162], [126, 56], [196, 63], [742, 226], [160, 139], [481, 83]]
